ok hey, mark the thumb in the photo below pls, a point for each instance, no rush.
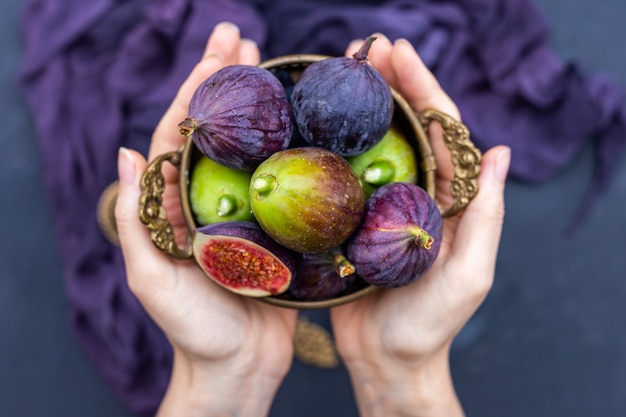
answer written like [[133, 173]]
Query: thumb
[[478, 234], [138, 249]]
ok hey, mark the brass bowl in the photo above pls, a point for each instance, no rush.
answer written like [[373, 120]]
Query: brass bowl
[[465, 158]]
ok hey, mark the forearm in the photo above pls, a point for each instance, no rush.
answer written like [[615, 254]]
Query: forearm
[[421, 390], [200, 391]]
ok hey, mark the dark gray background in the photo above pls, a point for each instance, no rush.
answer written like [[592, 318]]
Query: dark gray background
[[548, 342]]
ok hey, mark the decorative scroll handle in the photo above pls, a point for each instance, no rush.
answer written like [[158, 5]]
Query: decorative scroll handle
[[151, 210], [465, 157]]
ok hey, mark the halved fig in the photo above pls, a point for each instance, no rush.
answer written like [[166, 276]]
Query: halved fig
[[239, 256]]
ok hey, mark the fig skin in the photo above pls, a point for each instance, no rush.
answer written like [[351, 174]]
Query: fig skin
[[399, 238], [240, 257], [322, 276], [218, 193], [239, 116], [307, 199], [343, 104], [390, 160], [286, 78]]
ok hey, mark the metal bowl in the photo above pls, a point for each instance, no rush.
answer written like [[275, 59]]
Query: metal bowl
[[465, 158]]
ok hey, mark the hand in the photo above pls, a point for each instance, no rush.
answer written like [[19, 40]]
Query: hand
[[395, 343], [230, 352]]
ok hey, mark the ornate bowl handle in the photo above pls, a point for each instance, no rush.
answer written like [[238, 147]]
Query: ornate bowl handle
[[465, 157], [151, 210]]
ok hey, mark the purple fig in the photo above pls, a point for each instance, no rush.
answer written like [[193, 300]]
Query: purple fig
[[239, 256], [239, 116], [321, 276], [286, 78], [343, 104], [307, 199], [399, 238]]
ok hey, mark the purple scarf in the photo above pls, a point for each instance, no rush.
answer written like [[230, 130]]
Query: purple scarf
[[99, 75]]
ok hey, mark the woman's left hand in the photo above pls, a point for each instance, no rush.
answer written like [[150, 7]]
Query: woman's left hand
[[395, 343]]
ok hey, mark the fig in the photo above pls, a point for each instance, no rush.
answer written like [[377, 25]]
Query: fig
[[286, 78], [308, 199], [343, 104], [240, 257], [321, 276], [390, 160], [218, 193], [399, 238], [239, 116]]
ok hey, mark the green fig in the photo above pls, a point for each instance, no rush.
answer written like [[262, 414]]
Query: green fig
[[390, 160], [218, 193], [307, 199]]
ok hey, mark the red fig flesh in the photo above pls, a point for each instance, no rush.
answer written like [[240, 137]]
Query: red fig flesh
[[242, 258]]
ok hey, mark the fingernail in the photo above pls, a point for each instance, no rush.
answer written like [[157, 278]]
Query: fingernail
[[249, 41], [229, 25], [215, 55], [503, 160], [125, 166], [402, 40]]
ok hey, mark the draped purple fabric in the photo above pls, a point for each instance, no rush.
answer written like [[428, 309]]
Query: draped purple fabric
[[99, 75]]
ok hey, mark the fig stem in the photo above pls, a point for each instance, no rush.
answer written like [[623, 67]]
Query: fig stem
[[187, 126], [361, 54], [344, 267], [378, 173], [226, 204], [424, 240], [264, 184]]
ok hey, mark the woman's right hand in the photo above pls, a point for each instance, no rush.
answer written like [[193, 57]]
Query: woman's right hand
[[230, 352]]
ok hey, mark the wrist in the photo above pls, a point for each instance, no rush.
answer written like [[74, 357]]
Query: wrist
[[220, 389], [422, 389]]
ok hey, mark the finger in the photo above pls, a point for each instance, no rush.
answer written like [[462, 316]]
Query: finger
[[380, 58], [353, 47], [478, 234], [138, 249], [422, 91], [224, 41], [416, 83], [249, 53], [222, 48]]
